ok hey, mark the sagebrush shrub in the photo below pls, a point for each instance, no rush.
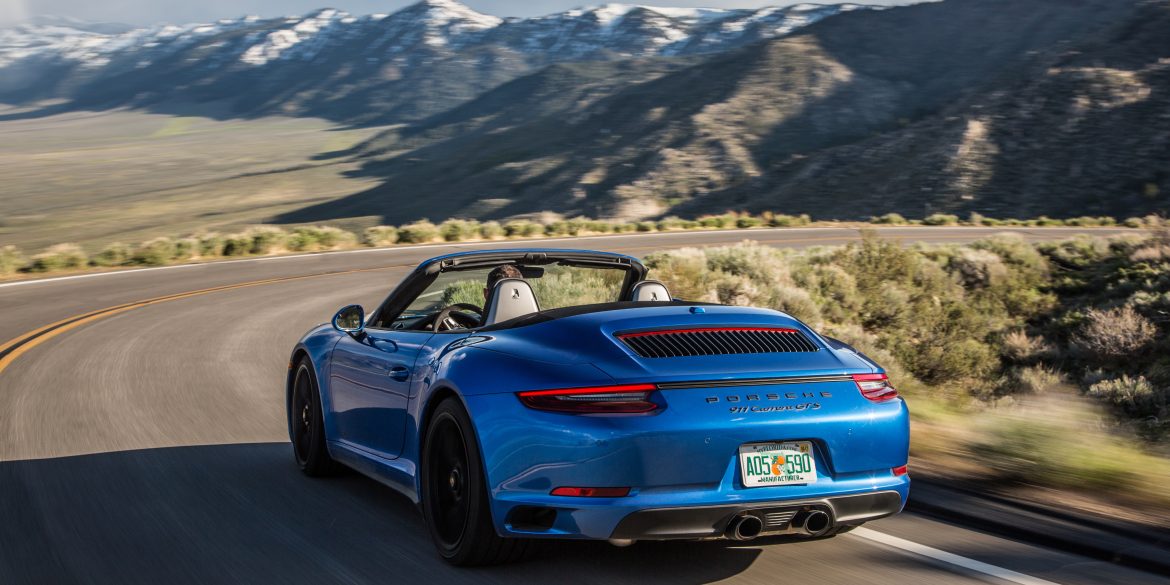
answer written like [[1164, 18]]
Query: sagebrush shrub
[[458, 230], [1114, 334], [379, 235], [156, 252], [1136, 396], [11, 260], [115, 254], [491, 230], [419, 232]]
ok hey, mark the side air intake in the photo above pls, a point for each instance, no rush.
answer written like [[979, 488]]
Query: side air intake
[[716, 341]]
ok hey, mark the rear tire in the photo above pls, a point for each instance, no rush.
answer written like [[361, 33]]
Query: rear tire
[[454, 494], [306, 425]]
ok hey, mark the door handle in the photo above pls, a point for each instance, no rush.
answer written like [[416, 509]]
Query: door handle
[[400, 373]]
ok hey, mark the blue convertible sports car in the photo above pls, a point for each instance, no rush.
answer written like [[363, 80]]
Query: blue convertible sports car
[[525, 394]]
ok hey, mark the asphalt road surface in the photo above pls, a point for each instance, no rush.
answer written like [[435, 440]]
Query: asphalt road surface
[[142, 440]]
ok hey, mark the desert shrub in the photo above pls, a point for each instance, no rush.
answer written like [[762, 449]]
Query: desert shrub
[[759, 263], [1036, 379], [748, 221], [978, 268], [11, 260], [628, 227], [1113, 334], [211, 245], [58, 257], [594, 226], [241, 244], [266, 239], [1045, 221], [794, 301], [379, 235], [115, 254], [523, 229], [647, 226], [889, 219], [1022, 348], [156, 252], [976, 219], [941, 219], [558, 229], [419, 232], [1136, 397], [718, 221], [683, 271], [670, 223], [491, 230], [780, 220], [1134, 222], [458, 230], [331, 238], [186, 248]]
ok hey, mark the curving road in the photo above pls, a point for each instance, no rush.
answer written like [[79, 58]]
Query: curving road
[[142, 440]]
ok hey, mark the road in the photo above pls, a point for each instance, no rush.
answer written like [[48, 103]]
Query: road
[[145, 443]]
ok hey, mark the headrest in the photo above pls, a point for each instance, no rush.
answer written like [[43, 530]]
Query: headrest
[[511, 298], [649, 290]]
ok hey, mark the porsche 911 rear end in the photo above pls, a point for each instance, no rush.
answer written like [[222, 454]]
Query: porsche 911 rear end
[[702, 422]]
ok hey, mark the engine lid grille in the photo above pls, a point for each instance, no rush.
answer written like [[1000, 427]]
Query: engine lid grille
[[716, 341]]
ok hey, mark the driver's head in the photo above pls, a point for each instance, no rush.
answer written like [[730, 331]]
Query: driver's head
[[500, 273]]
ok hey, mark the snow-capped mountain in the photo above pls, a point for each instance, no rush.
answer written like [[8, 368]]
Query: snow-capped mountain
[[287, 64]]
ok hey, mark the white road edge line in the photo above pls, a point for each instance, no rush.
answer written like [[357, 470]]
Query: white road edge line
[[505, 245], [949, 558]]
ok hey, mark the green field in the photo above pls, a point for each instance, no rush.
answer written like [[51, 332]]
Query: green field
[[97, 177]]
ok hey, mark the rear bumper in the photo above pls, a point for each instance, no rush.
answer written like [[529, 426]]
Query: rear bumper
[[712, 521]]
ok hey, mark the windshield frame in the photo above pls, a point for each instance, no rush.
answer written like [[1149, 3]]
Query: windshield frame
[[426, 273]]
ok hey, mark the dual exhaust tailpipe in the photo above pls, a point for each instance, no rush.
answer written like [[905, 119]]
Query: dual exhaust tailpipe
[[747, 526]]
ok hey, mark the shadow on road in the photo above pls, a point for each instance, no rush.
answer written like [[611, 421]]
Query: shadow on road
[[244, 514]]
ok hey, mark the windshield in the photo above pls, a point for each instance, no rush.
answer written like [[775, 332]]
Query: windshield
[[555, 286]]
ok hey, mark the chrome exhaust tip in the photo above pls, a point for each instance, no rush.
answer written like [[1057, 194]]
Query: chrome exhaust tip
[[744, 527], [622, 542], [814, 522]]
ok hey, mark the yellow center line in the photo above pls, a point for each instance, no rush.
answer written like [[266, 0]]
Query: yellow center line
[[17, 346]]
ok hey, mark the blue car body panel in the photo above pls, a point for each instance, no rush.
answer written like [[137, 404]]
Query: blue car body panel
[[683, 455]]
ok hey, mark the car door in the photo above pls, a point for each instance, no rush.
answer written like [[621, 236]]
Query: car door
[[370, 379]]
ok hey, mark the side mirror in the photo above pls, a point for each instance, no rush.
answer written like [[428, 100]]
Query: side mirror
[[350, 319]]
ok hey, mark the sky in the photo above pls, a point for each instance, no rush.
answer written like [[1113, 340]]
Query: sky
[[141, 12]]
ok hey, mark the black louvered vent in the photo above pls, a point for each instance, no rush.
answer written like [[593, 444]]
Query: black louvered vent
[[717, 341]]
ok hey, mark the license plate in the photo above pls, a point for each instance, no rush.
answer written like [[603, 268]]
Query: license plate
[[763, 464]]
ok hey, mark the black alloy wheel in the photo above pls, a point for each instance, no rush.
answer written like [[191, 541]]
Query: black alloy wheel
[[306, 425], [454, 499]]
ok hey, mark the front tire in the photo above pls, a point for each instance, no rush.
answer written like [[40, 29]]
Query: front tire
[[306, 425], [454, 499]]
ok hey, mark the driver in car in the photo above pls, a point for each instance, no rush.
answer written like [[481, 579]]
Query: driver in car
[[496, 275]]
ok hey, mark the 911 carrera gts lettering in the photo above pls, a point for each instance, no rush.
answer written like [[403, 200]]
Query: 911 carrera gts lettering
[[781, 408]]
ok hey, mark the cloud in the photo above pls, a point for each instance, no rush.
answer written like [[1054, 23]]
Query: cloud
[[13, 12]]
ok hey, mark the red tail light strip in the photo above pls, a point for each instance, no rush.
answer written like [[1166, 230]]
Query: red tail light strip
[[592, 492], [705, 330], [619, 399]]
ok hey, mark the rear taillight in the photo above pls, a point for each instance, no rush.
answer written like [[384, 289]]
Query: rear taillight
[[626, 398], [900, 470], [592, 492], [875, 387]]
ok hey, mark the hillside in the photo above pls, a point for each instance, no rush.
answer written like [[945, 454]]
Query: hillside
[[965, 105]]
